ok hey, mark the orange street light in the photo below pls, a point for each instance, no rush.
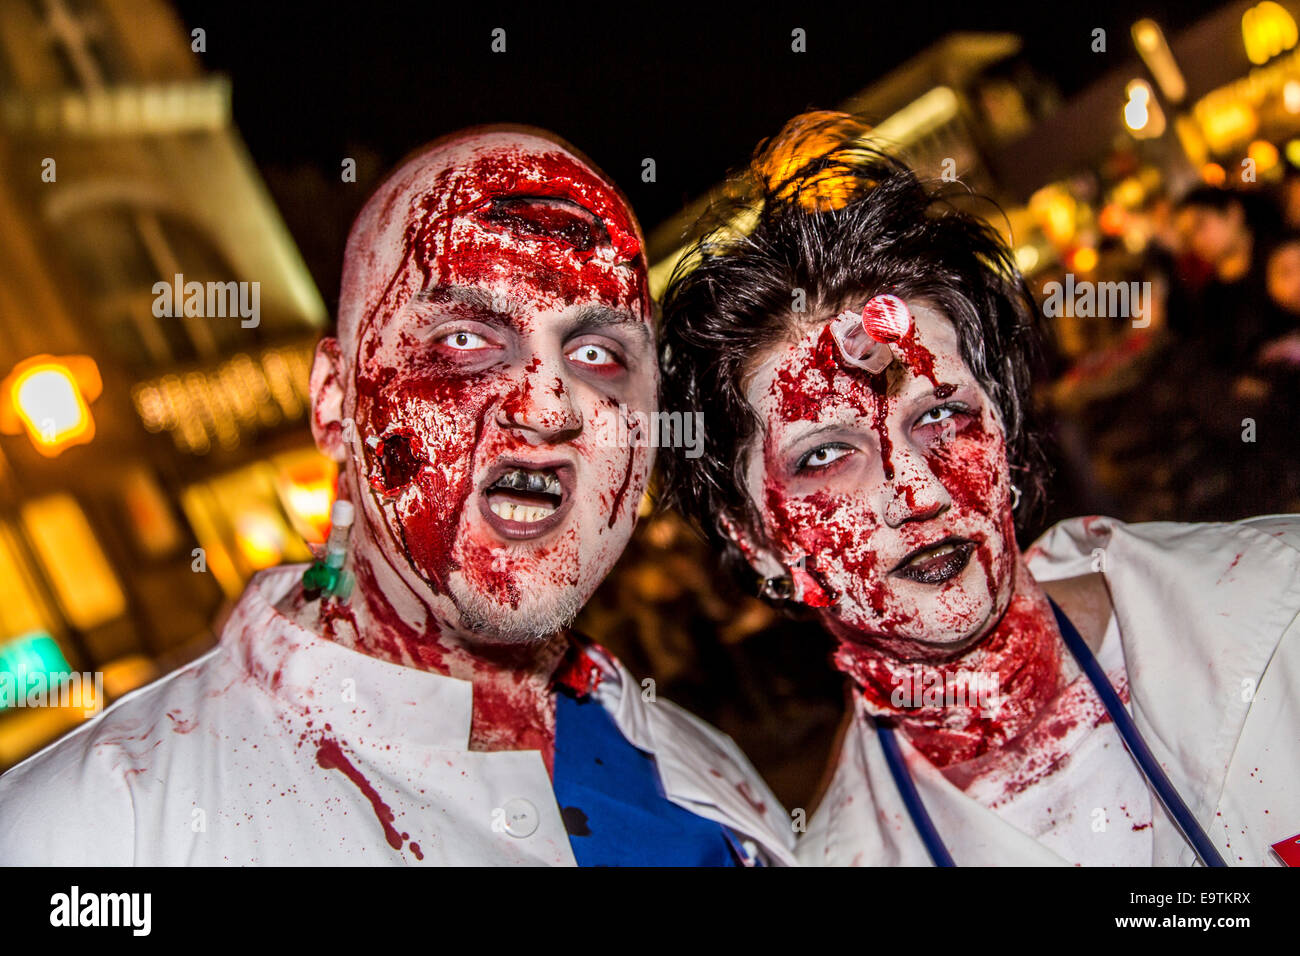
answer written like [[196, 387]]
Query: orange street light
[[1155, 53], [1267, 29], [49, 397]]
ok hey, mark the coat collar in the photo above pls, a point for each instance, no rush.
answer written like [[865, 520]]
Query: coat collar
[[325, 682], [985, 837], [1214, 598], [701, 769]]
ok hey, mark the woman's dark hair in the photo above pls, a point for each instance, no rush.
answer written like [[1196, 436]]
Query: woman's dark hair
[[834, 229]]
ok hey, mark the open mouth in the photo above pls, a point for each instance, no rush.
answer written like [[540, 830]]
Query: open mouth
[[936, 563], [526, 500]]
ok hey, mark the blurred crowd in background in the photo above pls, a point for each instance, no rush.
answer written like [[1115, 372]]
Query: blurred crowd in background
[[1188, 417]]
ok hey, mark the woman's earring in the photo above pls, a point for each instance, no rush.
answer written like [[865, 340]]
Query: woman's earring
[[778, 589], [1015, 497]]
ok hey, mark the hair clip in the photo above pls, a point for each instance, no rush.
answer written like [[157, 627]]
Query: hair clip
[[864, 338]]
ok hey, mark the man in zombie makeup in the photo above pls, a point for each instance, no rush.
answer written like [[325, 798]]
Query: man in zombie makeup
[[863, 355], [416, 695]]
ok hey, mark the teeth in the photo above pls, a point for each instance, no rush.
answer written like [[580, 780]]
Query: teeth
[[933, 553], [538, 482], [524, 513]]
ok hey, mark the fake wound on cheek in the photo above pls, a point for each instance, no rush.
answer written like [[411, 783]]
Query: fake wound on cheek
[[418, 460], [969, 464], [621, 499], [971, 467], [399, 456], [832, 532]]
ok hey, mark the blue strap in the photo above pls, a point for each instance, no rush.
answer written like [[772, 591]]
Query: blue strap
[[1178, 810], [911, 799], [1128, 730]]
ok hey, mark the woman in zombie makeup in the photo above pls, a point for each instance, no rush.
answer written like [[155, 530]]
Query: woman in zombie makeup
[[885, 502]]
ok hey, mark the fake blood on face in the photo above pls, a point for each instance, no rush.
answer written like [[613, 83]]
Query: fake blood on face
[[834, 524], [941, 480], [531, 227], [399, 461], [918, 359]]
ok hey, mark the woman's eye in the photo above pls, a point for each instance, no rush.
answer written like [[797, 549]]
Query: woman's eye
[[822, 456], [595, 355], [943, 422], [464, 341], [936, 415]]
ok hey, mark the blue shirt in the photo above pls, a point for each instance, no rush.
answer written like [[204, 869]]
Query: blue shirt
[[613, 804]]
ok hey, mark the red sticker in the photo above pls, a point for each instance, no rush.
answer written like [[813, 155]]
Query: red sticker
[[1288, 850], [887, 319]]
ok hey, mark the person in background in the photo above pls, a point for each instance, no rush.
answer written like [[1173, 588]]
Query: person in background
[[1288, 198], [1232, 315], [1283, 277]]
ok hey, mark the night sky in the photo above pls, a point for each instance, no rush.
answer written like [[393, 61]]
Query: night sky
[[374, 80]]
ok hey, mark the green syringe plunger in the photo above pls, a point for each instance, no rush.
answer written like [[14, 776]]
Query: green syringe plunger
[[327, 574]]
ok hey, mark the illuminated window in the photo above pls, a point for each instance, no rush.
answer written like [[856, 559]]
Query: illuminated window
[[241, 524], [155, 529], [117, 251], [73, 562], [305, 481], [28, 655], [23, 607]]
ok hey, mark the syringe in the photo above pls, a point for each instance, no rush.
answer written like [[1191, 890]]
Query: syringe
[[327, 574]]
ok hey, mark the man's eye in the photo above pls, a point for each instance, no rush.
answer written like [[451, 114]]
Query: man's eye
[[464, 341], [595, 355], [821, 456]]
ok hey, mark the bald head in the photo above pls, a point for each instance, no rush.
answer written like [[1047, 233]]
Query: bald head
[[479, 188]]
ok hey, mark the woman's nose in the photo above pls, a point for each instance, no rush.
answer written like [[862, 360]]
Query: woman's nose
[[914, 493], [540, 409]]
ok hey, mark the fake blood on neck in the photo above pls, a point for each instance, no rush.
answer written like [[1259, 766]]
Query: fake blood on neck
[[1020, 658]]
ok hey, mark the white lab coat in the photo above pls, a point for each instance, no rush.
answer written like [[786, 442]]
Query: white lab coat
[[217, 763], [1207, 617]]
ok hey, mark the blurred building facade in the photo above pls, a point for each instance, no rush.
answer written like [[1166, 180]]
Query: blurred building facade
[[947, 111], [149, 463]]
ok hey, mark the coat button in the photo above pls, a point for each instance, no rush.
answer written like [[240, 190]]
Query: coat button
[[521, 817]]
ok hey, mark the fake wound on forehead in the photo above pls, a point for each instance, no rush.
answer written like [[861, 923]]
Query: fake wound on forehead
[[541, 217]]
